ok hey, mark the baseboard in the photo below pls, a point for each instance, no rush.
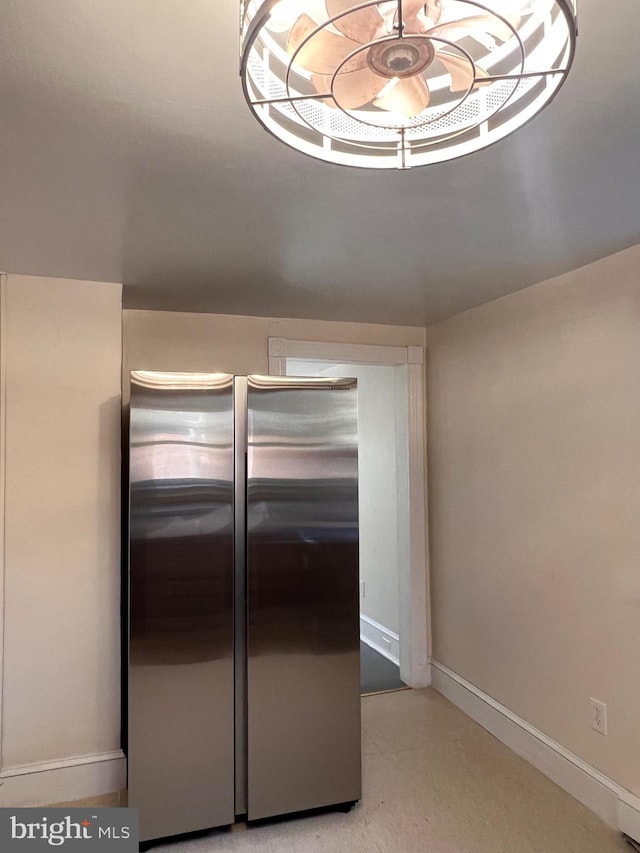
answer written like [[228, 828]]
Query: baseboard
[[76, 778], [380, 639], [114, 800], [629, 816], [612, 803]]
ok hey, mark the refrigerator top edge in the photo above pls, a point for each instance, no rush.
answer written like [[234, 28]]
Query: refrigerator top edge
[[186, 381], [180, 381], [261, 381]]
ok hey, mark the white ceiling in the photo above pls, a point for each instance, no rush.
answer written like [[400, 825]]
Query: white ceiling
[[127, 154]]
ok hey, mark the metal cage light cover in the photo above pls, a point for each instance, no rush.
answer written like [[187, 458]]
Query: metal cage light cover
[[401, 83]]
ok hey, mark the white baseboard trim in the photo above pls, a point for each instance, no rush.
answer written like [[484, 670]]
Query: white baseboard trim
[[380, 639], [629, 815], [612, 803], [77, 778]]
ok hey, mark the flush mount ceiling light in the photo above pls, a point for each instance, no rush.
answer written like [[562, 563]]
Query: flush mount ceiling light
[[402, 83]]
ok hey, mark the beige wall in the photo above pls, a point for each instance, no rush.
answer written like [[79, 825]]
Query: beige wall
[[166, 340], [534, 461], [61, 347]]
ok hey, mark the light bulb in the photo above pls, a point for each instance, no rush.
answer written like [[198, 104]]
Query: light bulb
[[283, 14]]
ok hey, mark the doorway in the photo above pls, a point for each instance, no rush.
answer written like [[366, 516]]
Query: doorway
[[382, 459], [413, 575]]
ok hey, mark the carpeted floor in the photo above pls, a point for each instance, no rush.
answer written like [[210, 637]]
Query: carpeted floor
[[377, 672]]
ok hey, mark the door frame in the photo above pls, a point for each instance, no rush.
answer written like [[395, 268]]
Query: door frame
[[413, 580]]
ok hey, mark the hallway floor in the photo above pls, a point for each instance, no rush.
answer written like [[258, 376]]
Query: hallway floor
[[377, 673], [433, 782]]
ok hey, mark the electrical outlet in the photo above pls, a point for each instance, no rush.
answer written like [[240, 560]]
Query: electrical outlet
[[362, 589], [598, 716]]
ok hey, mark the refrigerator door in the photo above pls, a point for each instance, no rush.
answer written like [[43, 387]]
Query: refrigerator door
[[303, 664], [181, 681]]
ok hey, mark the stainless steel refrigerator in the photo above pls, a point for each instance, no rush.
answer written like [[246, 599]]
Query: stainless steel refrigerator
[[243, 658]]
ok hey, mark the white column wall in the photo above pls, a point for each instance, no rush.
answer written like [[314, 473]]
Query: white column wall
[[61, 381]]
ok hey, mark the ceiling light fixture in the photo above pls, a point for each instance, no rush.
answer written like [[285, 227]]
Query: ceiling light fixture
[[402, 83]]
